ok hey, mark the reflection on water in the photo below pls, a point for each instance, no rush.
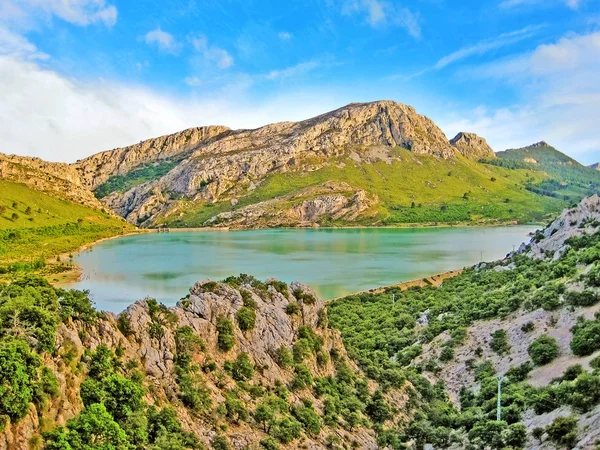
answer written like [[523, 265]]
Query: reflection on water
[[334, 262]]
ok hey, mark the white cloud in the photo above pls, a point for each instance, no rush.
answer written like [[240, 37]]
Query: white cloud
[[163, 40], [212, 53], [17, 45], [192, 81], [64, 119], [285, 35], [380, 13], [288, 72], [77, 12], [514, 4], [487, 45], [560, 98]]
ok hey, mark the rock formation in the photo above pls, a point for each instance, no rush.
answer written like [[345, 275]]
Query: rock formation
[[155, 355], [219, 164], [58, 179]]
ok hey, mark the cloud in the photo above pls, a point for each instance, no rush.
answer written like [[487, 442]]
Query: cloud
[[63, 118], [77, 12], [284, 35], [487, 45], [163, 40], [381, 13], [560, 98], [192, 81], [289, 72], [212, 53], [514, 4], [17, 45]]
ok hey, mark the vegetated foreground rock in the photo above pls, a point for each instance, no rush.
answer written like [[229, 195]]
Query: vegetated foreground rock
[[148, 337]]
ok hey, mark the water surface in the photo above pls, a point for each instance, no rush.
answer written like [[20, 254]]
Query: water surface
[[333, 261]]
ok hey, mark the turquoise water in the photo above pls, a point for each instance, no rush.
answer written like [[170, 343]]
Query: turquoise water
[[333, 261]]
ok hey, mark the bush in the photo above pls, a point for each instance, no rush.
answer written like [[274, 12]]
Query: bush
[[499, 342], [447, 354], [584, 298], [543, 350], [302, 378], [586, 337], [225, 330], [292, 308], [246, 318], [283, 357], [563, 431], [528, 327], [242, 369], [220, 442], [286, 430]]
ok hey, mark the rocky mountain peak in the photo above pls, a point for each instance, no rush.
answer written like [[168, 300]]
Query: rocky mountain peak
[[472, 146], [98, 168]]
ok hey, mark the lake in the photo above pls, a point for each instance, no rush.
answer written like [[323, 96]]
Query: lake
[[334, 262]]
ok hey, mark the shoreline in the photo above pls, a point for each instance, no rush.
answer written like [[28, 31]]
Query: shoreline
[[435, 280]]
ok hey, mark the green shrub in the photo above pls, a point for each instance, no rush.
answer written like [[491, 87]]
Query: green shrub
[[586, 337], [292, 308], [242, 369], [225, 330], [528, 327], [499, 342], [447, 354], [220, 442], [563, 431], [584, 298], [543, 350], [246, 318], [302, 378], [286, 430], [284, 357]]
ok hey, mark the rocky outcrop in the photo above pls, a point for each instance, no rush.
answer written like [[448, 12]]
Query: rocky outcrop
[[58, 179], [472, 146], [98, 168], [307, 208], [221, 165], [155, 355], [581, 219]]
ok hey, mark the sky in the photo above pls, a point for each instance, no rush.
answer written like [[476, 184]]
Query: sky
[[82, 76]]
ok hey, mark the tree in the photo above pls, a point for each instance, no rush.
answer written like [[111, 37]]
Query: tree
[[586, 337], [18, 373], [264, 414], [377, 408], [543, 350], [93, 429]]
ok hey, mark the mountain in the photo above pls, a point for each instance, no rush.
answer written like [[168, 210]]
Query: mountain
[[568, 178], [376, 163], [595, 166]]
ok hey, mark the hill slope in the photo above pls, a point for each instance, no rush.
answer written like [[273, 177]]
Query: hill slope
[[36, 227], [531, 318], [372, 163]]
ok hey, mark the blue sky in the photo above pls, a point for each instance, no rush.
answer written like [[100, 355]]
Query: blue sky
[[81, 76]]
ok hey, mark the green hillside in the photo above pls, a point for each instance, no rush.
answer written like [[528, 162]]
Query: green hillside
[[35, 227], [569, 180], [411, 189]]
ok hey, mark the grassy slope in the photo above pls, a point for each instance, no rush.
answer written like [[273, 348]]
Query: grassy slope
[[438, 185], [50, 227]]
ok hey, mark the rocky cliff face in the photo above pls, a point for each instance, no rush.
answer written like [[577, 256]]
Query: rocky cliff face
[[98, 168], [155, 355], [220, 164], [57, 179]]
